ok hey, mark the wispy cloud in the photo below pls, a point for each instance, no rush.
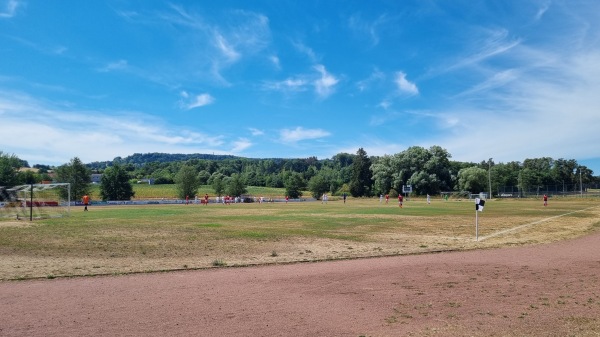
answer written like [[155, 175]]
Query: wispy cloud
[[119, 133], [299, 134], [484, 44], [10, 8], [190, 102], [289, 85], [534, 110], [303, 49], [496, 81], [208, 46], [367, 28], [240, 145], [275, 61], [116, 65], [256, 132], [324, 86], [323, 82], [374, 77], [540, 13]]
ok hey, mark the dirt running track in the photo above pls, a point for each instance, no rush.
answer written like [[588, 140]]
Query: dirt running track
[[548, 290]]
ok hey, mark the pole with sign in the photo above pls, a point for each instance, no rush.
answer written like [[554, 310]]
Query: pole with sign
[[407, 189], [478, 208]]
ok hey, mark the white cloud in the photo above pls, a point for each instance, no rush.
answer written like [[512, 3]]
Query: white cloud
[[540, 13], [226, 49], [324, 85], [287, 86], [367, 28], [376, 76], [208, 45], [197, 101], [240, 145], [74, 132], [9, 9], [117, 65], [497, 80], [276, 62], [302, 48], [549, 112], [256, 132], [405, 85], [299, 134]]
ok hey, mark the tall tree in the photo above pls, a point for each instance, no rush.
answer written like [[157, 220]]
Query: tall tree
[[294, 184], [236, 186], [362, 181], [78, 175], [8, 170], [217, 182], [318, 185], [115, 184], [383, 171], [186, 182], [472, 179]]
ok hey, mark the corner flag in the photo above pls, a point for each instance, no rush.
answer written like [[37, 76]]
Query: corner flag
[[479, 204]]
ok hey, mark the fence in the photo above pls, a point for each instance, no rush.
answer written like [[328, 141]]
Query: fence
[[585, 190]]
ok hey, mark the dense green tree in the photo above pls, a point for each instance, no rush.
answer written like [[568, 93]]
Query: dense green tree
[[362, 182], [29, 177], [203, 177], [562, 172], [217, 181], [163, 176], [186, 182], [115, 184], [472, 179], [9, 164], [274, 180], [318, 185], [383, 172], [294, 184], [236, 186], [78, 175]]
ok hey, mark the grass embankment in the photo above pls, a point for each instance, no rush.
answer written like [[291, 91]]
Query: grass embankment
[[124, 239]]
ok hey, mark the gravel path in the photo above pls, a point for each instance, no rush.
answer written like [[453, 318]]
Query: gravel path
[[546, 290]]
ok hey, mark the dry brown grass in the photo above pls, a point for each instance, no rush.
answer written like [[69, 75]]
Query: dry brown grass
[[129, 239]]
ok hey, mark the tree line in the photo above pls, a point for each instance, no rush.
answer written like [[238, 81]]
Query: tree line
[[427, 170]]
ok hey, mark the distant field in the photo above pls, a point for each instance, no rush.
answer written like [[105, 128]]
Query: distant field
[[168, 191], [125, 239]]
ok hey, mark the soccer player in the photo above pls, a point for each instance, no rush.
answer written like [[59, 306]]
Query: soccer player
[[400, 199], [86, 201]]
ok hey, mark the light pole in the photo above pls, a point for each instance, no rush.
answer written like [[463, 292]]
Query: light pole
[[490, 175], [580, 180], [580, 183]]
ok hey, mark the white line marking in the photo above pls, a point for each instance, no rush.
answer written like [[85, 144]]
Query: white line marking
[[481, 238]]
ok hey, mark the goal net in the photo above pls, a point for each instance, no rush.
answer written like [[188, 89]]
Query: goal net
[[36, 201]]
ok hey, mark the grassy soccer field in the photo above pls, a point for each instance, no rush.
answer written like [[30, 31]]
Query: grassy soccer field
[[125, 239]]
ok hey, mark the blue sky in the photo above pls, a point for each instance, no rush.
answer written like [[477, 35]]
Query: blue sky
[[507, 80]]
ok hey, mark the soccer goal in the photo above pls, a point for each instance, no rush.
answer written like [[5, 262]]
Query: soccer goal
[[37, 201]]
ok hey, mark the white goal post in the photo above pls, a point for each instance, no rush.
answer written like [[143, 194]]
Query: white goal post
[[39, 201]]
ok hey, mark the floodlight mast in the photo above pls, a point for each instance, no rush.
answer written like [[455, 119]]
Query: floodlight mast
[[580, 183], [31, 203], [490, 176]]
